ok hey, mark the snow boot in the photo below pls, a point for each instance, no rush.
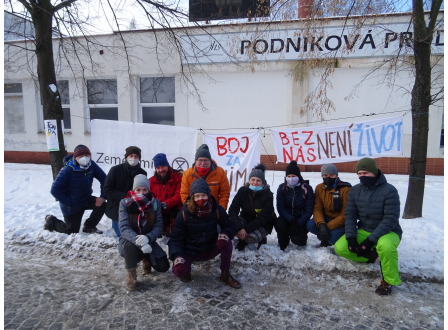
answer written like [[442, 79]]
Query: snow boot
[[241, 245], [229, 280], [186, 278], [131, 284], [91, 230], [49, 220], [146, 267], [384, 289]]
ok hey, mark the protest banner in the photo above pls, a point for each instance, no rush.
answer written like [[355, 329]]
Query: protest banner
[[340, 143], [236, 153]]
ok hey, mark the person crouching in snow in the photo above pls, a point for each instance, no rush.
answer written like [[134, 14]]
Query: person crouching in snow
[[195, 236], [140, 222], [256, 203], [376, 204]]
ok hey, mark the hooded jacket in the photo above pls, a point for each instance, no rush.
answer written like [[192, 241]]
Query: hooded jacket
[[169, 192], [73, 185], [216, 179], [294, 205], [257, 209], [376, 207]]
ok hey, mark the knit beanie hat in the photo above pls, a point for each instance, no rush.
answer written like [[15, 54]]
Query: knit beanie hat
[[203, 152], [292, 168], [81, 150], [367, 164], [199, 186], [258, 172], [328, 169], [160, 160], [140, 180], [133, 150]]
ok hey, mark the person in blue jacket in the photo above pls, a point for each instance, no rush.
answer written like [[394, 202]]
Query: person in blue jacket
[[295, 203], [73, 189]]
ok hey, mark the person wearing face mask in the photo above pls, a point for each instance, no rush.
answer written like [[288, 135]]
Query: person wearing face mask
[[119, 181], [165, 185], [73, 189], [372, 227], [206, 168], [252, 210], [140, 221], [195, 236], [295, 202], [329, 207]]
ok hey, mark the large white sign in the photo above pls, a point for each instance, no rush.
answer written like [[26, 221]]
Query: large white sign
[[293, 44], [340, 143], [109, 140], [236, 153]]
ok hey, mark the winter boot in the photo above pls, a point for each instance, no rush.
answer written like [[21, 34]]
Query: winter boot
[[384, 289], [146, 267], [186, 278], [263, 241], [49, 220], [131, 284], [91, 230], [229, 280], [241, 245]]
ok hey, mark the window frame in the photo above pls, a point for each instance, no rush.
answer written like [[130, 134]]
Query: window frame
[[16, 94]]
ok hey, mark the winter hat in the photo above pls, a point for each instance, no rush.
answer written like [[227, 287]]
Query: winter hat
[[160, 160], [203, 152], [140, 180], [199, 186], [328, 169], [133, 150], [258, 172], [292, 168], [81, 150], [367, 164]]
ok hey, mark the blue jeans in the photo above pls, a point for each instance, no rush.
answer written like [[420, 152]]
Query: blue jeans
[[335, 234], [116, 228]]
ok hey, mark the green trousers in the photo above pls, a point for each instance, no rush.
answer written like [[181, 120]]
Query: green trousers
[[387, 252]]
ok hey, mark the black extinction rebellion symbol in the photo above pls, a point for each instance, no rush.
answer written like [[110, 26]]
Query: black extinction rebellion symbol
[[181, 164]]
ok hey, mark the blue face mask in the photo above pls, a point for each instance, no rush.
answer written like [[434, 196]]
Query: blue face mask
[[255, 188]]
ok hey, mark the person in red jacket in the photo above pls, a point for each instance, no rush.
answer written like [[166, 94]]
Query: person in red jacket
[[165, 185]]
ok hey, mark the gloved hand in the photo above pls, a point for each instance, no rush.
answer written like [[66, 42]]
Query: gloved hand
[[146, 248], [222, 241], [353, 245], [179, 267], [324, 232], [294, 230], [142, 240], [163, 205], [365, 248]]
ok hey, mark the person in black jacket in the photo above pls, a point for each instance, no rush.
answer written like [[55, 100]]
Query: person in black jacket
[[119, 181], [295, 203], [256, 203], [195, 236]]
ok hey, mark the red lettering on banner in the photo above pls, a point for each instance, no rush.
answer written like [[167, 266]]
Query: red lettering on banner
[[233, 139], [294, 138], [283, 137], [285, 153], [311, 154], [300, 154], [309, 137], [319, 144], [247, 144], [221, 146], [331, 144]]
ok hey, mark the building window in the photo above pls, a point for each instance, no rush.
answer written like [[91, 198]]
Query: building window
[[65, 100], [102, 99], [157, 100], [14, 110], [441, 135]]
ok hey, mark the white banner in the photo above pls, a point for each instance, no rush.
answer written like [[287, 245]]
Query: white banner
[[236, 153], [340, 143], [51, 133], [109, 140]]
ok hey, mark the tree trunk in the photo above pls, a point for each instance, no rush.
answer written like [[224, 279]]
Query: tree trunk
[[51, 101]]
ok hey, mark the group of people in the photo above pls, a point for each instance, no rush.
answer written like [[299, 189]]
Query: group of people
[[362, 222]]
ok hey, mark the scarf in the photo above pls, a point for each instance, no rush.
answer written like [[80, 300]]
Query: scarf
[[143, 204], [202, 171], [206, 211]]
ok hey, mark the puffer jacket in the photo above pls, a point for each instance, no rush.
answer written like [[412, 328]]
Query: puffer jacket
[[257, 209], [323, 205], [294, 205], [169, 192], [376, 207], [73, 185], [194, 235], [216, 179]]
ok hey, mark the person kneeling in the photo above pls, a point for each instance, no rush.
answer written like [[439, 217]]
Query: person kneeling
[[195, 236], [140, 223]]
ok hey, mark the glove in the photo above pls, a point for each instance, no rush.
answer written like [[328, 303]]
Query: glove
[[295, 228], [146, 248], [142, 240], [353, 245], [222, 241], [365, 248], [324, 232], [163, 205], [179, 269]]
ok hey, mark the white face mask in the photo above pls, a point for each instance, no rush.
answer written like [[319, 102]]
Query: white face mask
[[84, 161], [132, 161], [292, 181], [140, 196]]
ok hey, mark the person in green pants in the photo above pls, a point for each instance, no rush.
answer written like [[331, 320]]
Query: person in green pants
[[376, 204]]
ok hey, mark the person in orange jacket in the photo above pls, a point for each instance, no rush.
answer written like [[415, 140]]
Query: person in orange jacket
[[206, 168]]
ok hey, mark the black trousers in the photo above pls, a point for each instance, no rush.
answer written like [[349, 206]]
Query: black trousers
[[72, 222], [282, 227], [133, 255]]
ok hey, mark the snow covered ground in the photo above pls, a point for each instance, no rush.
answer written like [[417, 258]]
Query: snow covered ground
[[27, 200]]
